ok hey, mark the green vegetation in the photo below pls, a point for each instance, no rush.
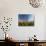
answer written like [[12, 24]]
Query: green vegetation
[[25, 23]]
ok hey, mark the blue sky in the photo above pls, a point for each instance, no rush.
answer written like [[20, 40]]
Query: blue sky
[[25, 16]]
